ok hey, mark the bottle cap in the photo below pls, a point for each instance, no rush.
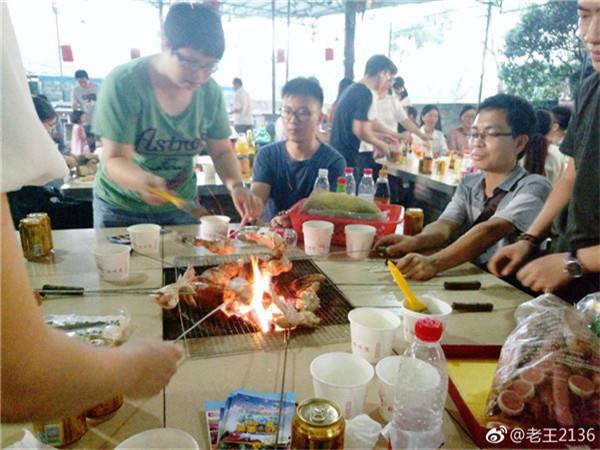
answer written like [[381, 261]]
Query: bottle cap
[[368, 171], [428, 330], [341, 180], [349, 170], [323, 172]]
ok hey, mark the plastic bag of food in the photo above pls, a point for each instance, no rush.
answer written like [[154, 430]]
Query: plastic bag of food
[[340, 204], [98, 330], [548, 373], [589, 306]]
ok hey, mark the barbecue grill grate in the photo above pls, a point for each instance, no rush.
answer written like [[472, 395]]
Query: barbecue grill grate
[[221, 335]]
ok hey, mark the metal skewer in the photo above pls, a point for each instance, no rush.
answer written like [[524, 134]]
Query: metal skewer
[[286, 340]]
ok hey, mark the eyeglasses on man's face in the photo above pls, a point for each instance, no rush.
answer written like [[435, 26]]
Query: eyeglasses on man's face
[[301, 114], [487, 134], [195, 66]]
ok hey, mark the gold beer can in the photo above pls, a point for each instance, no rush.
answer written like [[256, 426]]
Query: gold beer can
[[413, 221], [45, 219], [34, 240], [318, 424], [60, 432]]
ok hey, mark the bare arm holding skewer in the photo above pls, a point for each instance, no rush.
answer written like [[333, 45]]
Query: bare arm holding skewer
[[45, 374]]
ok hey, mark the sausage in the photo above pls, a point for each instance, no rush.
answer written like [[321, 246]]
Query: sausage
[[560, 395]]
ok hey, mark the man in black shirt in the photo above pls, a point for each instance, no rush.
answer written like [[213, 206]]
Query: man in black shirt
[[351, 123], [573, 270]]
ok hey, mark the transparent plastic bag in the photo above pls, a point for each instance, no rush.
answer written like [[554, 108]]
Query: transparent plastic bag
[[548, 373], [100, 330]]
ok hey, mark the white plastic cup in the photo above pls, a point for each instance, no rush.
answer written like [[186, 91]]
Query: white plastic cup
[[342, 378], [112, 261], [386, 371], [145, 238], [317, 237], [214, 228], [372, 332], [439, 309], [359, 240]]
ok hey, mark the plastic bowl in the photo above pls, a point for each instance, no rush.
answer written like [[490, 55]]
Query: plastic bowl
[[167, 438]]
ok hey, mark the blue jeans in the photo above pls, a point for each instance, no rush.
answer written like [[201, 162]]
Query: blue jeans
[[107, 215]]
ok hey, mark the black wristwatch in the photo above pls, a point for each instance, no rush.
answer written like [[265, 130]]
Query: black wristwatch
[[572, 265]]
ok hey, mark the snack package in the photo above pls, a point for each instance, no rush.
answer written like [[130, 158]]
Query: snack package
[[548, 373]]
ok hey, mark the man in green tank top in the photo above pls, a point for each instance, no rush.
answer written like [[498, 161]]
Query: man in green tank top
[[154, 114]]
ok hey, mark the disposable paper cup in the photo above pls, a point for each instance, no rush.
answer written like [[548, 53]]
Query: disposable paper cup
[[160, 438], [387, 374], [145, 238], [372, 332], [214, 228], [112, 261], [439, 309], [359, 240], [342, 378], [317, 237]]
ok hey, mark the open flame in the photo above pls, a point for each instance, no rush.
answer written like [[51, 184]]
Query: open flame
[[261, 310]]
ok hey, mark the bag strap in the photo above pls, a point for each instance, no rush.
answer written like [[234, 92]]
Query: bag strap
[[491, 204]]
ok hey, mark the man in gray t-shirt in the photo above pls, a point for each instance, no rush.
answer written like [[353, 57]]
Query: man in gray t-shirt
[[84, 95], [501, 135]]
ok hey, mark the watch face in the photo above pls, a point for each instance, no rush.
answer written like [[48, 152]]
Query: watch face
[[573, 267]]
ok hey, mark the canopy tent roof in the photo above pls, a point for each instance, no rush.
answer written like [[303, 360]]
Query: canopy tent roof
[[297, 8]]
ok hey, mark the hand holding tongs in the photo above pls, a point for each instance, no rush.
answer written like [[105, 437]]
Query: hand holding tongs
[[189, 207]]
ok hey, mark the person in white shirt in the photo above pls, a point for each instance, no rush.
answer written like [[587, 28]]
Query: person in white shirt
[[242, 108], [45, 373], [431, 125]]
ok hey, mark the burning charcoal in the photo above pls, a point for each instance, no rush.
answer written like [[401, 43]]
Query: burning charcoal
[[207, 296]]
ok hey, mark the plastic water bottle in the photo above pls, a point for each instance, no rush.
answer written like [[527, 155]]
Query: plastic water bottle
[[421, 391], [366, 188], [322, 182], [382, 188], [350, 181]]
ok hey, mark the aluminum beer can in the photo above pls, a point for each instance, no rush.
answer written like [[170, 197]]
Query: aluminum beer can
[[34, 241], [318, 424], [45, 219], [413, 221]]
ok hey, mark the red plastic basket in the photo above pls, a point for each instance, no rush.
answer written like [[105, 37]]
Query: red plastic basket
[[395, 217]]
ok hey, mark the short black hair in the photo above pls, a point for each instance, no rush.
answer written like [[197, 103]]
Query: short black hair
[[43, 108], [520, 115], [191, 25], [76, 116], [412, 111], [302, 86], [81, 74], [543, 119], [380, 63], [562, 116], [398, 82], [237, 80]]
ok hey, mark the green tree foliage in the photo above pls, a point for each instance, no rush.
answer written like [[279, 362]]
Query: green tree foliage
[[542, 51]]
